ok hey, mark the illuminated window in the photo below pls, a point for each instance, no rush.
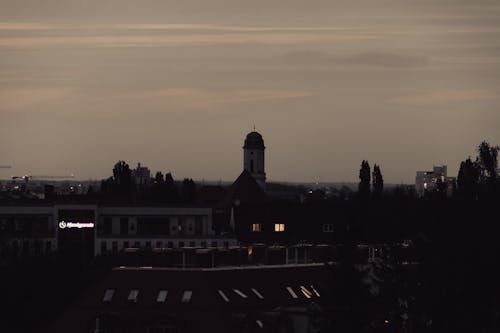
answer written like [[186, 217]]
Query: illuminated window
[[162, 296], [279, 227], [306, 292], [257, 227], [291, 292], [186, 296], [108, 295], [327, 227], [315, 291], [224, 297], [132, 296]]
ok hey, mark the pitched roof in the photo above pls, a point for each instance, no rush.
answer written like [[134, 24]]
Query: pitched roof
[[245, 189]]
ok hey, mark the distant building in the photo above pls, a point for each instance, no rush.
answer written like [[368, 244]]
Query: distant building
[[141, 175], [427, 181], [253, 157], [86, 230]]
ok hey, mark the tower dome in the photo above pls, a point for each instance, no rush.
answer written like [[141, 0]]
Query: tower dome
[[253, 157], [254, 141]]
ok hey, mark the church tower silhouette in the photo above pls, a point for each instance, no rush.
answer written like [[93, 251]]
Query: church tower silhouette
[[253, 157]]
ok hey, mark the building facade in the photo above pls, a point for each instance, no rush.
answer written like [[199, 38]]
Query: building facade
[[89, 230]]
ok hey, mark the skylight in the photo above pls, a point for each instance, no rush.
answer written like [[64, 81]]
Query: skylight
[[240, 293], [291, 292], [315, 291], [132, 296], [186, 296], [224, 297], [108, 295], [162, 296], [256, 292], [306, 292]]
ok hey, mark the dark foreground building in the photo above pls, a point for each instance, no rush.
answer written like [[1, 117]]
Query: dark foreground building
[[251, 299]]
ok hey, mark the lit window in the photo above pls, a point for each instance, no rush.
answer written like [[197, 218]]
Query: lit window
[[315, 291], [256, 292], [186, 296], [327, 227], [162, 296], [291, 292], [132, 296], [257, 227], [306, 292], [224, 297], [108, 295], [279, 227], [240, 293]]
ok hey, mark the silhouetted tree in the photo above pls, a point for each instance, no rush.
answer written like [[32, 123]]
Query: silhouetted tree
[[488, 162], [468, 179], [122, 178], [378, 181], [364, 180], [159, 180]]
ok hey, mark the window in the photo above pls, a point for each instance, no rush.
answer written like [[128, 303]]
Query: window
[[48, 246], [126, 244], [107, 225], [203, 244], [159, 244], [256, 292], [192, 244], [240, 293], [108, 295], [114, 246], [214, 244], [162, 296], [291, 292], [132, 296], [186, 296], [257, 227], [170, 245], [223, 296], [137, 244], [279, 227], [103, 247], [148, 244], [315, 291], [123, 225], [327, 227], [306, 292], [181, 244]]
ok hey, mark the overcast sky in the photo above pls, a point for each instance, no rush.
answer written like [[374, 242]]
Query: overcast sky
[[177, 85]]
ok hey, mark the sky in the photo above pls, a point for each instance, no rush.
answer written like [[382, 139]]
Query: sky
[[177, 85]]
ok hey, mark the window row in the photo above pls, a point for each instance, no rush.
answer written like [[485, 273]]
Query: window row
[[226, 296], [278, 227], [116, 246]]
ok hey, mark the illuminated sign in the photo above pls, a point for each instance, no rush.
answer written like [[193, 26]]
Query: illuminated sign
[[65, 225]]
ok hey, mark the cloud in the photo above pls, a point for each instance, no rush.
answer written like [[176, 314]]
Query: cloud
[[36, 36], [446, 97], [368, 59], [194, 98], [14, 99]]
